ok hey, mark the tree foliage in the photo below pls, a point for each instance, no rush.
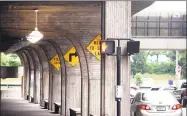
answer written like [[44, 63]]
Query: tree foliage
[[138, 78], [161, 68], [10, 60], [139, 62]]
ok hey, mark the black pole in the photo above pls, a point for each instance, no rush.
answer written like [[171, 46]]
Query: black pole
[[118, 76]]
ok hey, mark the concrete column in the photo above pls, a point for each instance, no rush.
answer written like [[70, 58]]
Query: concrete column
[[26, 76], [49, 74], [44, 74], [117, 25], [37, 69], [54, 77], [31, 74]]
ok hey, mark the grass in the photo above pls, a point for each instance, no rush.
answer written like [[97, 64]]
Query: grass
[[10, 87], [11, 81], [159, 79], [159, 76]]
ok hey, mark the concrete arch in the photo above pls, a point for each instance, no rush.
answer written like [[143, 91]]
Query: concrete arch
[[41, 72], [37, 73], [22, 78], [84, 68], [81, 51], [21, 58], [44, 82], [31, 75], [63, 70], [57, 77], [53, 74], [26, 74], [71, 86]]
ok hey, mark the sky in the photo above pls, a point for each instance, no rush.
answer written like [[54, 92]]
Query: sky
[[165, 7]]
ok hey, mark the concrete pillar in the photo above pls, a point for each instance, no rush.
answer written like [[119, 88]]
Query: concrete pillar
[[71, 79], [45, 77], [73, 87], [44, 74], [23, 84], [37, 69], [48, 81], [54, 77], [26, 75], [117, 25], [31, 74], [45, 84]]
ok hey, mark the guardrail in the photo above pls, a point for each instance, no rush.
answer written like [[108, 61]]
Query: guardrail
[[10, 85]]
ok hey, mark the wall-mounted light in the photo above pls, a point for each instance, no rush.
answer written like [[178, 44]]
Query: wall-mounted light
[[35, 35]]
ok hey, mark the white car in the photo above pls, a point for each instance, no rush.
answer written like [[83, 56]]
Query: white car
[[155, 103]]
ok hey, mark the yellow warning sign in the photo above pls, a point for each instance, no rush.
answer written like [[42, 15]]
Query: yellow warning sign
[[94, 47], [72, 57], [55, 62]]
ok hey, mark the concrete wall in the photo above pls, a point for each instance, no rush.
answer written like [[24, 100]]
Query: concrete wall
[[9, 72], [11, 93]]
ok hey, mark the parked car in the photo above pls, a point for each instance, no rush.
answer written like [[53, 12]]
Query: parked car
[[181, 94], [145, 88], [155, 103], [133, 91], [169, 88], [158, 88]]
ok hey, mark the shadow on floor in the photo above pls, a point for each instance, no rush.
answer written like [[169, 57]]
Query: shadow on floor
[[21, 107]]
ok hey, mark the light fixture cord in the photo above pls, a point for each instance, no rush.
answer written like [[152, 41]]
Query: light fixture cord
[[36, 18]]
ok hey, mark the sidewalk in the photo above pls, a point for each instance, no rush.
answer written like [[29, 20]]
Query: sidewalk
[[21, 107]]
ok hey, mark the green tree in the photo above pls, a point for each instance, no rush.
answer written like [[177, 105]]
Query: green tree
[[138, 78], [138, 64], [181, 59], [10, 60], [14, 60], [3, 59]]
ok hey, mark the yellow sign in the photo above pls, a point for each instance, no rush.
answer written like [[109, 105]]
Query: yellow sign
[[72, 57], [55, 62], [94, 47]]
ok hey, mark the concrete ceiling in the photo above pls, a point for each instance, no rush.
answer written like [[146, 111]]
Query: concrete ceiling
[[18, 19]]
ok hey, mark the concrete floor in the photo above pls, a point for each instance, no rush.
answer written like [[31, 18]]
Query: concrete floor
[[21, 107]]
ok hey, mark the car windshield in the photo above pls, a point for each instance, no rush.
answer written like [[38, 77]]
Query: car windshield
[[157, 96]]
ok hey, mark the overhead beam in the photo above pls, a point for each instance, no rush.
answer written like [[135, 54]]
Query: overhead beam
[[137, 6], [162, 43]]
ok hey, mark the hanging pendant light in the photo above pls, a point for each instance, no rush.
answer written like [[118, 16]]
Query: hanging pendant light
[[35, 35]]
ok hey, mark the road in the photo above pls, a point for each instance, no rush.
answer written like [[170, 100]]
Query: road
[[184, 111]]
